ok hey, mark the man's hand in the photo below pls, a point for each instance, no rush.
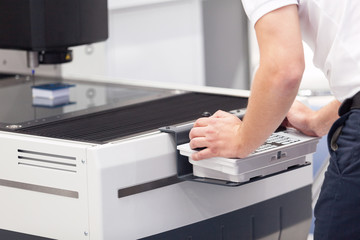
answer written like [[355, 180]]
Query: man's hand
[[312, 123], [218, 133], [300, 117]]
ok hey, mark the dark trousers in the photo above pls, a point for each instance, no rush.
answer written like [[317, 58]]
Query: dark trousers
[[337, 212]]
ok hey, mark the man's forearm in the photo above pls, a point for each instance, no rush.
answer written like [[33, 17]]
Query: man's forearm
[[277, 80], [268, 104]]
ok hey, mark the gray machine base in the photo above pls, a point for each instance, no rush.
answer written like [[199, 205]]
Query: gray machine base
[[285, 217]]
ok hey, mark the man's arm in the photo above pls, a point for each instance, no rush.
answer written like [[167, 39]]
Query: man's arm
[[273, 91]]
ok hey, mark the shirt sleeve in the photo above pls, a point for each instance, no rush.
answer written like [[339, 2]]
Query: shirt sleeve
[[255, 9]]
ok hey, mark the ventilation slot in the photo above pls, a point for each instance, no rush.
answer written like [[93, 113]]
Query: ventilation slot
[[46, 160]]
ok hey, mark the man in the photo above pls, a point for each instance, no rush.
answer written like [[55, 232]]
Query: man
[[332, 30]]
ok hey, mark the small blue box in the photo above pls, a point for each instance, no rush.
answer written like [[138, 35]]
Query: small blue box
[[51, 90]]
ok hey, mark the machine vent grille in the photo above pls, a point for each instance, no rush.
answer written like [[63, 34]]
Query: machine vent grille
[[46, 160], [125, 121]]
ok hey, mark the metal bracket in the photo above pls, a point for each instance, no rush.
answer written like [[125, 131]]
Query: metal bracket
[[181, 136], [184, 167]]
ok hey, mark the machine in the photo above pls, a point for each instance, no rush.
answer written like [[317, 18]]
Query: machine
[[46, 28], [105, 165], [100, 168]]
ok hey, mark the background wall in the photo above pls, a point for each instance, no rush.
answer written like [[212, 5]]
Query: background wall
[[196, 42]]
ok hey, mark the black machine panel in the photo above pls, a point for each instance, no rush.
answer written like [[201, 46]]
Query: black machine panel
[[50, 25], [20, 108]]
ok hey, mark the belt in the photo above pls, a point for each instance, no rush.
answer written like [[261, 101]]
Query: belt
[[349, 104]]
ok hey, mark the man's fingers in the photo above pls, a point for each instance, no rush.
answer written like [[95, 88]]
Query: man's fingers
[[203, 154], [196, 132], [198, 142], [220, 113]]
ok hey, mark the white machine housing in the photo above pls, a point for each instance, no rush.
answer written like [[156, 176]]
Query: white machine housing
[[60, 189]]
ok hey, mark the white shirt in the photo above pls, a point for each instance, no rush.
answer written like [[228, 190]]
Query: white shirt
[[332, 30]]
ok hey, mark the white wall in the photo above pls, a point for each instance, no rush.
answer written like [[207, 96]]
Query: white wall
[[156, 41], [197, 42]]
